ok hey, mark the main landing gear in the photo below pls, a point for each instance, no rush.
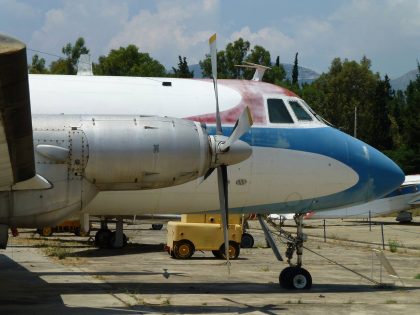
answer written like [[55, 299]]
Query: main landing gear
[[292, 277], [105, 238]]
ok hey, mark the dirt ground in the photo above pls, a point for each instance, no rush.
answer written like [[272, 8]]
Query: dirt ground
[[65, 274]]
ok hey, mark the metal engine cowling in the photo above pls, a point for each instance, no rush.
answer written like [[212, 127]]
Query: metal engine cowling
[[144, 152]]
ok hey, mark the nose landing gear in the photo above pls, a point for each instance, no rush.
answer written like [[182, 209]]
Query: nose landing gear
[[292, 277]]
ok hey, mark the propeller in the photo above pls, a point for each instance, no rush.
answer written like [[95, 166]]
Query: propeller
[[226, 150]]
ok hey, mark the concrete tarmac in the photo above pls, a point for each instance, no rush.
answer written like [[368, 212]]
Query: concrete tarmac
[[143, 279]]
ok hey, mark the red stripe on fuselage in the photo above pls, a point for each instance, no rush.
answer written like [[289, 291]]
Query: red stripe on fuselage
[[252, 95]]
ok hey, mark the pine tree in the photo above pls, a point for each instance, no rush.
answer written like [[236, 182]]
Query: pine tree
[[183, 71], [295, 71]]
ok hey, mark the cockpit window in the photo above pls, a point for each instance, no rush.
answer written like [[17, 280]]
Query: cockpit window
[[300, 113], [277, 111]]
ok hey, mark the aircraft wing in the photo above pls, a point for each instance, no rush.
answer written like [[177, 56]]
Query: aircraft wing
[[17, 162]]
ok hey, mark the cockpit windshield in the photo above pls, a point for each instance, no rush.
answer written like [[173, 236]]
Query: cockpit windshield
[[299, 111], [317, 116], [277, 111]]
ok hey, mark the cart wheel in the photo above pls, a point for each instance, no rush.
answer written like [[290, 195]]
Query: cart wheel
[[78, 232], [234, 250], [157, 227], [247, 240], [46, 231], [183, 249]]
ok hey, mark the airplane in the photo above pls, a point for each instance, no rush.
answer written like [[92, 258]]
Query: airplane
[[401, 199], [116, 146]]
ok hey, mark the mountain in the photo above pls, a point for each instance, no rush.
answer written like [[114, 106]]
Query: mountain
[[305, 75], [402, 82]]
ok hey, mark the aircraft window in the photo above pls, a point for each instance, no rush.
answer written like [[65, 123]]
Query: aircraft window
[[278, 112], [300, 113]]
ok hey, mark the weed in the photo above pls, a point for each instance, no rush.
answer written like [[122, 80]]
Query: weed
[[166, 301], [417, 276], [99, 277], [350, 301], [391, 302], [393, 245], [204, 304], [55, 251], [294, 302], [265, 268]]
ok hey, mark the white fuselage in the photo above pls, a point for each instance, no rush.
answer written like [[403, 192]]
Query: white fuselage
[[295, 166]]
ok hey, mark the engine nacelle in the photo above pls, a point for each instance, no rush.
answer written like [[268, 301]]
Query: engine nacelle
[[144, 152]]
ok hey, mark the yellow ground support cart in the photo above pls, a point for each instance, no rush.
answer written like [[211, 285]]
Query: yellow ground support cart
[[72, 226], [203, 232]]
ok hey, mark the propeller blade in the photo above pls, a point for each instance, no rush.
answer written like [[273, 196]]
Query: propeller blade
[[224, 207], [243, 124], [213, 56]]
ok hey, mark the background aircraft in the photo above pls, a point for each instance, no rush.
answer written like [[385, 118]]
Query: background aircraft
[[111, 146], [401, 199]]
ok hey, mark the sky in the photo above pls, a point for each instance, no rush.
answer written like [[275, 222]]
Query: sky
[[386, 31]]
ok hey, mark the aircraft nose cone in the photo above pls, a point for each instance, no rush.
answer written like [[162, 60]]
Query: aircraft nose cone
[[384, 175]]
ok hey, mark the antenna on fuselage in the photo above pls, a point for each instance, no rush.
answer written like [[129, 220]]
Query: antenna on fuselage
[[259, 70]]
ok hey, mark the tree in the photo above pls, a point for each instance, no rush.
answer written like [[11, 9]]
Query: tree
[[277, 73], [234, 54], [336, 94], [379, 127], [295, 71], [238, 52], [128, 61], [183, 71], [68, 65], [38, 65], [411, 130]]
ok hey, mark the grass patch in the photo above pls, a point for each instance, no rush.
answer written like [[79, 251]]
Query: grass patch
[[294, 302], [393, 245], [56, 251], [417, 276]]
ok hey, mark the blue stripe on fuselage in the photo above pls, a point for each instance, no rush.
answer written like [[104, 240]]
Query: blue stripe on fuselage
[[320, 140]]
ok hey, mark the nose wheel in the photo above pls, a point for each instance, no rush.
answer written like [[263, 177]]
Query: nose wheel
[[296, 278], [293, 277]]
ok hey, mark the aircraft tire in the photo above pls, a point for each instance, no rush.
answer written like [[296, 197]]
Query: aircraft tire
[[285, 278], [112, 240], [102, 238], [247, 240], [295, 278]]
